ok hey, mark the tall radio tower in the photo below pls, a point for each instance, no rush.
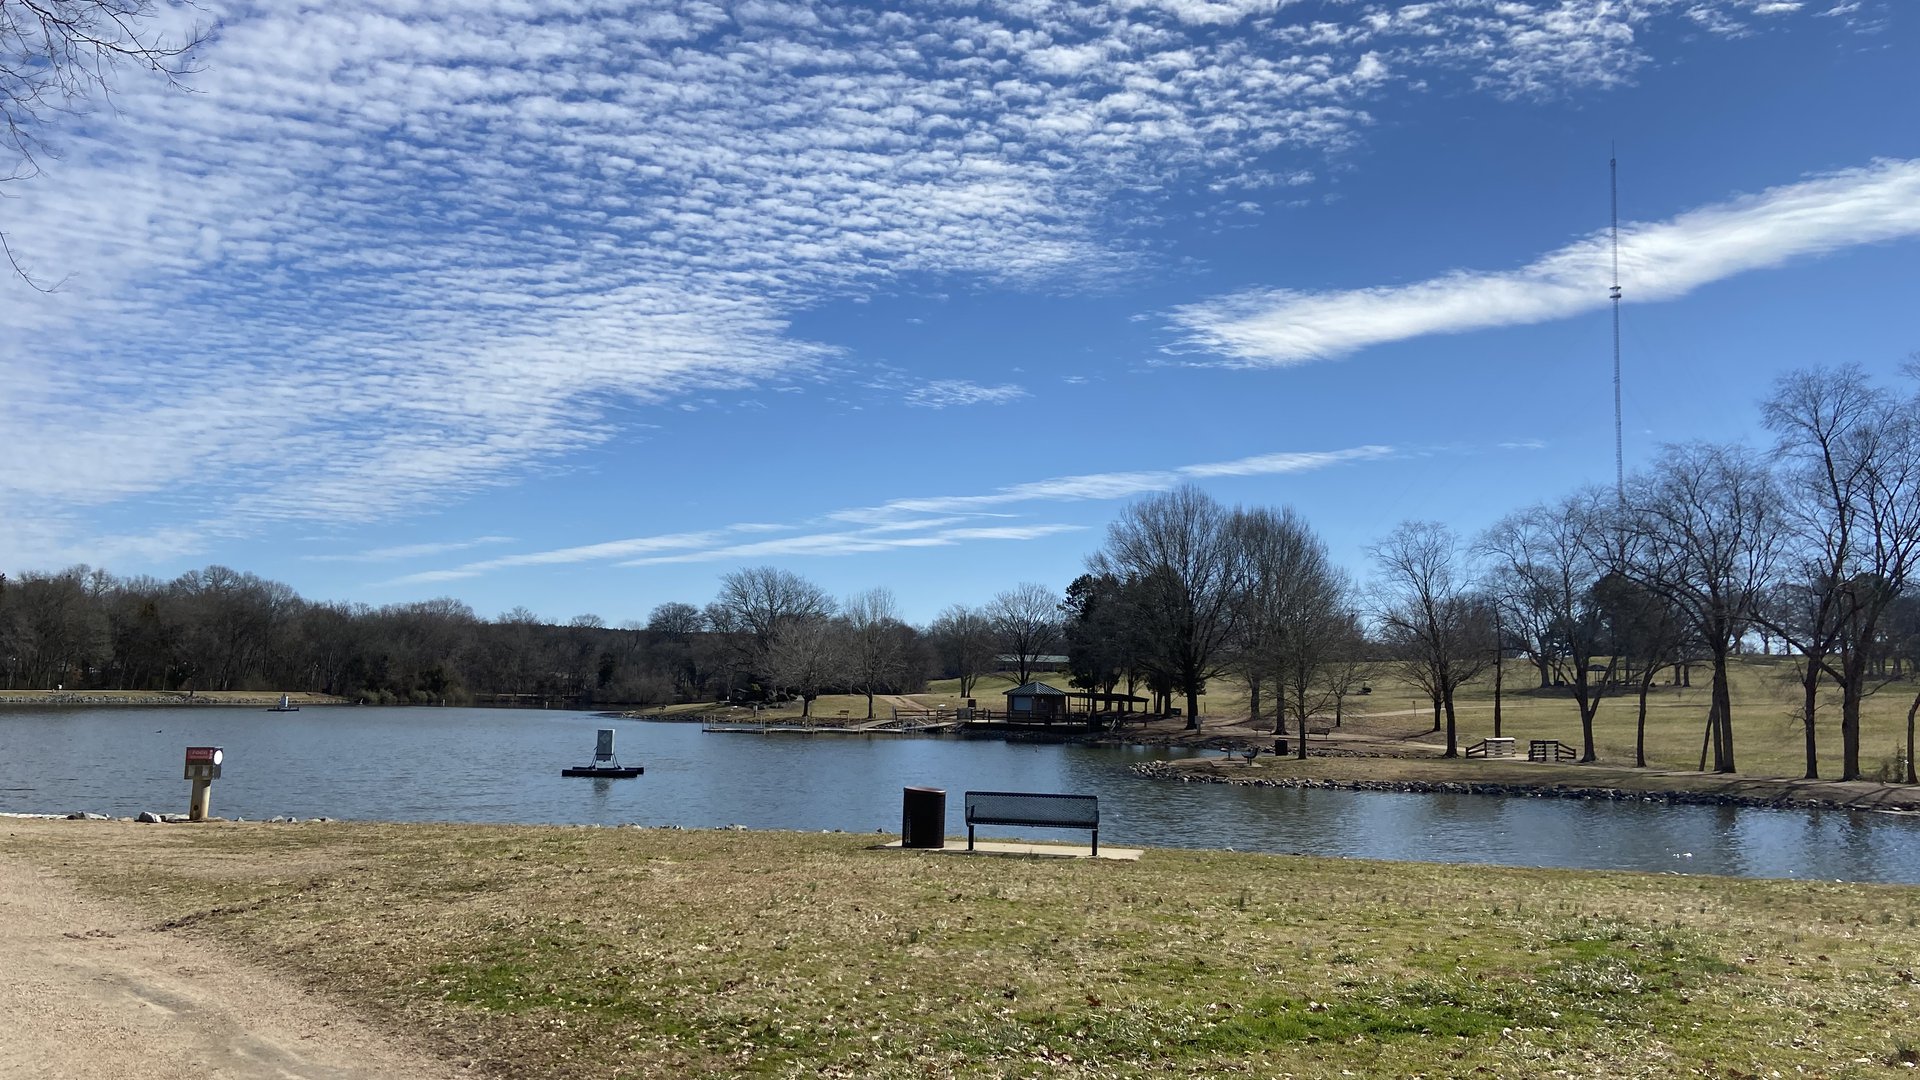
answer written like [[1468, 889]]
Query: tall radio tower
[[1619, 459]]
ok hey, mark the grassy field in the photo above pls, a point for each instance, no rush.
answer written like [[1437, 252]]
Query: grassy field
[[1767, 730], [583, 953], [1766, 700]]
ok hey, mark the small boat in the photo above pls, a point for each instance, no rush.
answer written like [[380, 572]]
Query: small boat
[[284, 706], [605, 766]]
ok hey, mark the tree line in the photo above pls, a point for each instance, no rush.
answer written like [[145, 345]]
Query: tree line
[[769, 636], [1809, 544]]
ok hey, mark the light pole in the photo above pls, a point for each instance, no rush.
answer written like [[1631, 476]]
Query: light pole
[[1499, 655]]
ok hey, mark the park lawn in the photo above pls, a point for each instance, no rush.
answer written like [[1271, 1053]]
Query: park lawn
[[1766, 701], [1768, 739], [581, 953]]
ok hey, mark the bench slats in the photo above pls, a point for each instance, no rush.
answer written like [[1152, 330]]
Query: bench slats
[[1033, 809]]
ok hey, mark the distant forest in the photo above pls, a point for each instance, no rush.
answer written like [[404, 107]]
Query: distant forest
[[223, 629]]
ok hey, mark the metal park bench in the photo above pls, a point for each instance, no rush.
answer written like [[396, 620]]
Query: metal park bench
[[1033, 810]]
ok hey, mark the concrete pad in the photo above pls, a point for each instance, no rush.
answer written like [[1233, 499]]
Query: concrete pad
[[1049, 851]]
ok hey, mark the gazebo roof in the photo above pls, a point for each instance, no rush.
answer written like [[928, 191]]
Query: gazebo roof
[[1036, 689]]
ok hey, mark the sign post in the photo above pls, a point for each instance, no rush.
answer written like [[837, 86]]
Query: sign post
[[203, 768]]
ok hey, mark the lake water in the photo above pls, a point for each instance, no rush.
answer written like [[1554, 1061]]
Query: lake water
[[497, 765]]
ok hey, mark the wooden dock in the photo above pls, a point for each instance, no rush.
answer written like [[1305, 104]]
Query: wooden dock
[[902, 722]]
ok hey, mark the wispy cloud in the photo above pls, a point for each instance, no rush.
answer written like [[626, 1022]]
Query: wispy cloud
[[939, 521], [410, 551], [438, 251], [1111, 485], [1658, 261], [605, 551], [857, 542], [947, 393]]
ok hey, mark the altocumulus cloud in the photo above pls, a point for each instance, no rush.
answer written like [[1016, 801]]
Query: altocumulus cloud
[[387, 254], [947, 393], [1658, 261]]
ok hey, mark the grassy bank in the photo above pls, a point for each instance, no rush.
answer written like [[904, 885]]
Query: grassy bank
[[262, 698], [1490, 776], [540, 952]]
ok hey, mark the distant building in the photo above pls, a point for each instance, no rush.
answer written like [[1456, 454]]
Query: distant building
[[1036, 662]]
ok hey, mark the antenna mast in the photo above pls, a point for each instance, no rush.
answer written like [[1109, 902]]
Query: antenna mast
[[1619, 459]]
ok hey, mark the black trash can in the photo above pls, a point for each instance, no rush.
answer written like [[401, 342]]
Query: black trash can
[[923, 817]]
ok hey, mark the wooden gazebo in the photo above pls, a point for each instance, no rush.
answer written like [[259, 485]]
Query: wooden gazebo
[[1095, 701], [1036, 701]]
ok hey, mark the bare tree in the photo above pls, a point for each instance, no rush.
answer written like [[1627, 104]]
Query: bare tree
[[1438, 628], [1546, 561], [1292, 627], [1178, 548], [1803, 610], [1816, 415], [1854, 504], [676, 621], [236, 615], [53, 633], [874, 645], [1316, 643], [755, 603], [805, 656], [670, 646], [1272, 544], [1646, 634], [56, 54], [1702, 528], [963, 640], [516, 644], [1026, 621], [1350, 672]]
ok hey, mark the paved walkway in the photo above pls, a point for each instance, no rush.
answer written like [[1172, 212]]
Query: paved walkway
[[1051, 851]]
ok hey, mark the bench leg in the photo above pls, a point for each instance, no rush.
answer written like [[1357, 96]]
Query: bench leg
[[1096, 843], [969, 836]]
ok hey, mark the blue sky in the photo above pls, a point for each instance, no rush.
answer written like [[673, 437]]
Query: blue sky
[[580, 305]]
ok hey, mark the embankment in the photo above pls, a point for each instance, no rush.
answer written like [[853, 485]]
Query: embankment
[[149, 698], [1518, 779]]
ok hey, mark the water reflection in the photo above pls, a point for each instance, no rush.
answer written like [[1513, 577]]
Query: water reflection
[[504, 766]]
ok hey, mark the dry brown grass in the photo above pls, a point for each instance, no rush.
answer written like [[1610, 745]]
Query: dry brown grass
[[163, 697], [582, 953]]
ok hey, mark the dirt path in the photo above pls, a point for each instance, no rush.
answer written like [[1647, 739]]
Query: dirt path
[[88, 993]]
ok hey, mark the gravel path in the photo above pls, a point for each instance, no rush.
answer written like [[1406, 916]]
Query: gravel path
[[88, 993]]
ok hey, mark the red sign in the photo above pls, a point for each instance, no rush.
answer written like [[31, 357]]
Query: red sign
[[201, 753]]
